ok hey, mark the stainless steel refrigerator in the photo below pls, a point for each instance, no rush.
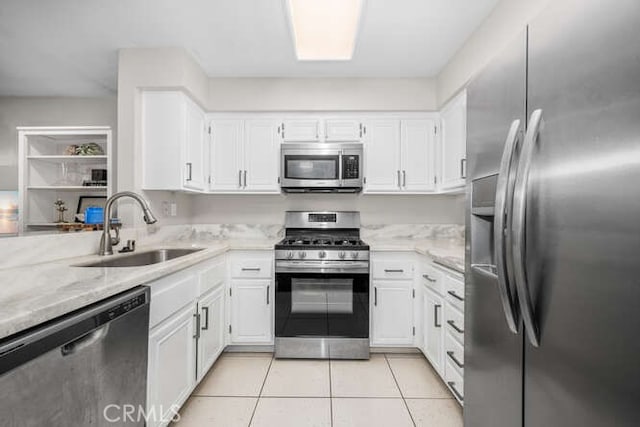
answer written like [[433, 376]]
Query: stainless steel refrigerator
[[552, 334]]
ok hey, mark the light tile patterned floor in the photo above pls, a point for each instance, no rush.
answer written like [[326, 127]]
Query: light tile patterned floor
[[245, 389]]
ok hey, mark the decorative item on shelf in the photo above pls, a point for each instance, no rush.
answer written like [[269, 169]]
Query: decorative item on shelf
[[85, 202], [93, 215], [71, 150], [89, 149], [92, 183], [61, 208]]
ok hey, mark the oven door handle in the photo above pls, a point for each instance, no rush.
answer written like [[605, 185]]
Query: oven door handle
[[360, 268]]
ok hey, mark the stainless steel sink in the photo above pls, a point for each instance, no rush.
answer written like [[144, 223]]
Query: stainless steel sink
[[142, 258]]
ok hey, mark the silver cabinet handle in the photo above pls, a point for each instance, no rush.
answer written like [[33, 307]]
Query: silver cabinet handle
[[436, 323], [268, 287], [399, 181], [454, 359], [398, 270], [205, 310], [456, 296], [245, 179], [197, 319], [429, 278], [375, 296], [404, 178], [189, 171], [240, 178], [455, 391], [519, 212], [454, 326], [463, 168], [250, 269], [501, 232]]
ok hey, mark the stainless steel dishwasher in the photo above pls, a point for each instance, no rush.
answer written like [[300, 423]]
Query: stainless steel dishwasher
[[88, 368]]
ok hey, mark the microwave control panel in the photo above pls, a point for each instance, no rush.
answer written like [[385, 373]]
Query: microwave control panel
[[350, 166]]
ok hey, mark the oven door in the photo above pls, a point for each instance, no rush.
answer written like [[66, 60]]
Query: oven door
[[322, 304], [310, 167]]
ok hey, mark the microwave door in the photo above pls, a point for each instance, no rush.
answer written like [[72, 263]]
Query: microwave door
[[310, 168]]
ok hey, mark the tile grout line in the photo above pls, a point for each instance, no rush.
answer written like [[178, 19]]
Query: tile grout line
[[260, 392], [400, 390], [330, 395]]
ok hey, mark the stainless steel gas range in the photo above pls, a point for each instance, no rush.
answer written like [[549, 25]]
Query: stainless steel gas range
[[322, 287]]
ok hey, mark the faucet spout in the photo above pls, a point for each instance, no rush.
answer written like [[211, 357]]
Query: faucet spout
[[106, 243]]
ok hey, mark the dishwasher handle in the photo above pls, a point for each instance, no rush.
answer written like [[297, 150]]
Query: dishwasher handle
[[85, 341]]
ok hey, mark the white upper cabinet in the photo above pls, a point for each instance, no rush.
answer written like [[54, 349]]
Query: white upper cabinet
[[400, 156], [343, 130], [261, 156], [301, 130], [173, 142], [382, 156], [225, 159], [454, 142], [418, 155], [245, 155]]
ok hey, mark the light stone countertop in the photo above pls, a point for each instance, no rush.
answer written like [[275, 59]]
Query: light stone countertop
[[449, 253], [33, 294]]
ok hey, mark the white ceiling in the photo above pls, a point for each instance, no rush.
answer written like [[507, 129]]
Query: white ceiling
[[69, 47]]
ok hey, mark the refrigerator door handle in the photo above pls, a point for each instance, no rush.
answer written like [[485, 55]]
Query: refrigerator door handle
[[519, 225], [502, 201]]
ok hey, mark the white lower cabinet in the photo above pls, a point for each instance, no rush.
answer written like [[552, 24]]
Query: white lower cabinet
[[171, 366], [392, 316], [251, 311], [433, 340], [212, 326]]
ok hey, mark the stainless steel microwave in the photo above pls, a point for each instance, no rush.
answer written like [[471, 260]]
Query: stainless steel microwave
[[318, 167]]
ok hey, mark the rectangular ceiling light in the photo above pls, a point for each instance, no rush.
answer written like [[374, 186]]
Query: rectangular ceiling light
[[324, 30]]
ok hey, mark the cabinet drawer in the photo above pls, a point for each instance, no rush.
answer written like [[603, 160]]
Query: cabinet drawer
[[454, 288], [454, 352], [392, 270], [454, 380], [251, 266], [432, 278], [171, 293], [454, 321], [212, 275]]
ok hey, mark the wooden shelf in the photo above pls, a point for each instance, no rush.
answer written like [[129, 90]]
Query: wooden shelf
[[62, 158]]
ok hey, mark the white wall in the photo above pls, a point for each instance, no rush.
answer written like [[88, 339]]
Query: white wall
[[374, 209], [35, 111], [317, 94], [507, 19]]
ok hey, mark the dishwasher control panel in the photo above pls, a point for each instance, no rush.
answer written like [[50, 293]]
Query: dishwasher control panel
[[123, 307]]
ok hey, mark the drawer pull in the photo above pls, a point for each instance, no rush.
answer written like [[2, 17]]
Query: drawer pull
[[456, 296], [375, 296], [250, 268], [397, 270], [268, 287], [456, 361], [435, 316], [205, 311], [429, 278], [455, 391], [454, 326]]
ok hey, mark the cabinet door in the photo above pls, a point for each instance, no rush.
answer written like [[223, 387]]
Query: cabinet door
[[251, 311], [211, 341], [225, 161], [195, 140], [340, 130], [454, 140], [382, 156], [432, 308], [392, 313], [418, 155], [301, 130], [261, 156], [171, 370]]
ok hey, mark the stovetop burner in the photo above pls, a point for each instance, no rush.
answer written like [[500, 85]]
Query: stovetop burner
[[320, 241]]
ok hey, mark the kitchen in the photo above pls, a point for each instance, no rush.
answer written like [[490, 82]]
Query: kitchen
[[412, 216]]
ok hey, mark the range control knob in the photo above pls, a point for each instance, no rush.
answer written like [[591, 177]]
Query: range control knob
[[302, 254], [341, 254], [322, 254], [354, 255], [290, 255]]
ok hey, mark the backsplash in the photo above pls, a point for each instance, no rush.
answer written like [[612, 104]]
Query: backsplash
[[210, 232], [412, 232]]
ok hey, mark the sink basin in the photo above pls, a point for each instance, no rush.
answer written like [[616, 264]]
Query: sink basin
[[142, 258]]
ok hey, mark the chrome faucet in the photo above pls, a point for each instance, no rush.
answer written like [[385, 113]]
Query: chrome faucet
[[107, 242]]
